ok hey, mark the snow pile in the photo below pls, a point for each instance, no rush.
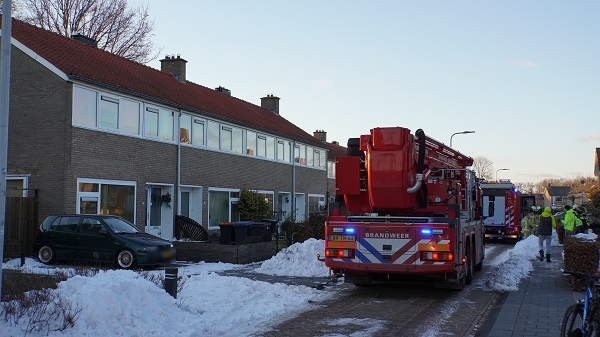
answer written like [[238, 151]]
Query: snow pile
[[514, 265], [299, 259], [589, 236]]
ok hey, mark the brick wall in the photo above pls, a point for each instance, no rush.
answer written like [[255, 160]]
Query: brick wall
[[39, 131]]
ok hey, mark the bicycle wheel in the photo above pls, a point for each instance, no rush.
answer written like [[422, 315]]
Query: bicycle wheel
[[572, 321]]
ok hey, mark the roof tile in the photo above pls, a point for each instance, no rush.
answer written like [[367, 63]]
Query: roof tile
[[80, 61]]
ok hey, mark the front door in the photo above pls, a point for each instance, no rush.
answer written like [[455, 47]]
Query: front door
[[154, 211]]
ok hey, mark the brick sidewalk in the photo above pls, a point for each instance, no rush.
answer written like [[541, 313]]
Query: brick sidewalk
[[537, 308]]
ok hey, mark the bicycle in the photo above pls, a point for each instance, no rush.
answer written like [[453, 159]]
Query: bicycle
[[580, 318]]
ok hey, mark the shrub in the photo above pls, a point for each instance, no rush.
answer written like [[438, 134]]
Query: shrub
[[302, 231], [253, 205]]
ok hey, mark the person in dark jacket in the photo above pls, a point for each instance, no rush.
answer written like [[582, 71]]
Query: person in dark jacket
[[581, 213], [547, 222]]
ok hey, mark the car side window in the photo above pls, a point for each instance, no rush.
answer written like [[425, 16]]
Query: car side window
[[67, 224], [91, 226]]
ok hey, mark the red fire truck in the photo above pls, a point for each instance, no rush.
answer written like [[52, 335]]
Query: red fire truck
[[502, 207], [409, 209]]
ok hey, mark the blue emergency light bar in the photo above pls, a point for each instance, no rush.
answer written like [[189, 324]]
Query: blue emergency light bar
[[349, 230], [426, 231]]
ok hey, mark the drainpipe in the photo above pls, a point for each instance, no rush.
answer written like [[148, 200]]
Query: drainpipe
[[293, 181], [178, 166]]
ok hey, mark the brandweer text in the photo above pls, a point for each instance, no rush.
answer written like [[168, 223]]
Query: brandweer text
[[387, 235]]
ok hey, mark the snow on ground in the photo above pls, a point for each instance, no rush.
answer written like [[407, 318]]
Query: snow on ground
[[124, 303]]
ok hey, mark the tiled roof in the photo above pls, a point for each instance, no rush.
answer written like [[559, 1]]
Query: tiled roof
[[82, 62], [558, 191], [335, 150]]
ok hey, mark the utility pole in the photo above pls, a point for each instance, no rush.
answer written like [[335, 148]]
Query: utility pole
[[4, 97]]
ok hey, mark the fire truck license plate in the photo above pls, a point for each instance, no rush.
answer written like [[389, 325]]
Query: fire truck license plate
[[341, 238]]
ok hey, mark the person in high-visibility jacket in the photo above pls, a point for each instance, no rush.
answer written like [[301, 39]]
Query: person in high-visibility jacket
[[534, 221], [525, 226], [570, 221]]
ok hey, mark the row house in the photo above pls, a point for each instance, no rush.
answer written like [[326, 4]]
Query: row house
[[92, 132]]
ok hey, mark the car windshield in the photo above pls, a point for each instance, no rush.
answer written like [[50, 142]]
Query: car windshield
[[121, 226]]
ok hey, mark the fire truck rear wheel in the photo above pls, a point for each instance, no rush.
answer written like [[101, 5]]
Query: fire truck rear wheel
[[479, 266], [469, 255]]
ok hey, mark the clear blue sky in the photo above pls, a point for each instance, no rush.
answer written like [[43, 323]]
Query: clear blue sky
[[525, 75]]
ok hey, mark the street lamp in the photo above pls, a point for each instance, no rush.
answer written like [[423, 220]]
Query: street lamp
[[459, 133], [503, 169]]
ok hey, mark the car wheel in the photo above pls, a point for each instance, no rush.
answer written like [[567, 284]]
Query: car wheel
[[125, 259], [46, 255]]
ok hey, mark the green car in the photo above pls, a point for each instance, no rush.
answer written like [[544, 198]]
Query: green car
[[90, 237]]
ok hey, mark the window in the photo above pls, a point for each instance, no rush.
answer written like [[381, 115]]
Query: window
[[261, 146], [310, 162], [129, 117], [107, 197], [165, 124], [323, 159], [191, 130], [109, 112], [67, 224], [251, 143], [91, 226], [213, 135], [226, 136], [237, 140], [151, 122], [222, 206], [185, 129], [198, 132], [84, 107], [159, 123], [316, 203], [317, 158], [331, 169], [16, 187], [270, 148], [117, 200], [300, 154], [269, 196], [283, 150]]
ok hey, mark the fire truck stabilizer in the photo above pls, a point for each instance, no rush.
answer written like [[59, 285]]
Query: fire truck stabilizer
[[502, 209], [408, 209]]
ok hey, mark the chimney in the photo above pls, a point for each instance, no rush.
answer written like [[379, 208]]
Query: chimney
[[174, 66], [223, 90], [85, 39], [320, 135], [270, 103], [335, 142]]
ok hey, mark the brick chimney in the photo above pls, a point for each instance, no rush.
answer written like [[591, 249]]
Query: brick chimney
[[174, 66], [223, 90], [320, 135], [270, 102], [85, 39]]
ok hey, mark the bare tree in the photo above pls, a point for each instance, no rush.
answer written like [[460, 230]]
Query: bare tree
[[483, 167], [115, 27], [527, 187], [15, 7]]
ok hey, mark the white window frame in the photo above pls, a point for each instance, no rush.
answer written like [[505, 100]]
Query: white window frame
[[101, 182]]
